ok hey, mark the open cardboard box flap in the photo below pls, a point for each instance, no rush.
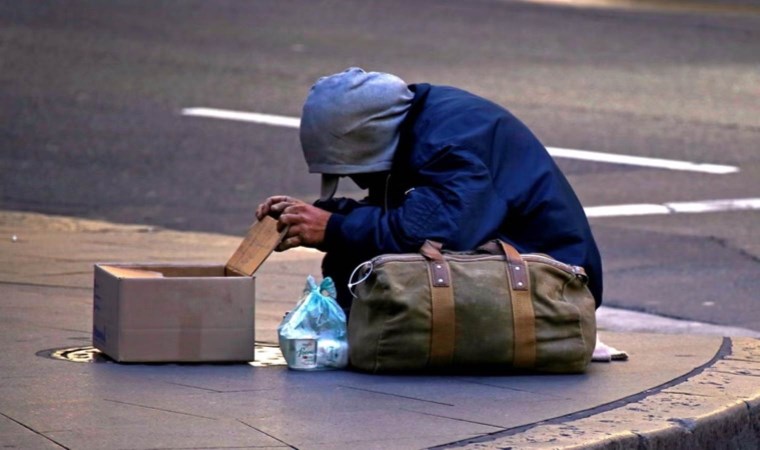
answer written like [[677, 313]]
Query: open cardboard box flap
[[262, 238]]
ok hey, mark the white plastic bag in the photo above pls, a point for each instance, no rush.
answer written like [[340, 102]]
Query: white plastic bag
[[313, 335]]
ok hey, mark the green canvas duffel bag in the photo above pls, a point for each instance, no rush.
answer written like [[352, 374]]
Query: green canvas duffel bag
[[490, 309]]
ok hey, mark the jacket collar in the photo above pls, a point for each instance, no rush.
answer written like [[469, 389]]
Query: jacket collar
[[406, 139]]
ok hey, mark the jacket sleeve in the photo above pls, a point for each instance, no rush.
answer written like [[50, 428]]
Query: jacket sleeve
[[453, 201]]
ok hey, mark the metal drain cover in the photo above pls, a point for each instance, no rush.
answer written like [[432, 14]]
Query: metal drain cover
[[265, 355], [77, 354], [268, 355]]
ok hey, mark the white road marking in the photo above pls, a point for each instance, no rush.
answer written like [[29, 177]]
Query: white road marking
[[670, 164], [659, 163], [264, 119], [644, 209]]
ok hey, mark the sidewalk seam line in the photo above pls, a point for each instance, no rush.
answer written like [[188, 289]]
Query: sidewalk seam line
[[267, 434], [394, 395], [51, 286], [34, 431], [458, 419], [159, 409]]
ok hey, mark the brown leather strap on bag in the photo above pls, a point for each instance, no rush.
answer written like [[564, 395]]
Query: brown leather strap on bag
[[442, 335], [523, 316]]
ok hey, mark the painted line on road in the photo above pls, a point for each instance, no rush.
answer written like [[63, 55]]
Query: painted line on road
[[659, 163], [670, 164], [645, 209], [242, 116]]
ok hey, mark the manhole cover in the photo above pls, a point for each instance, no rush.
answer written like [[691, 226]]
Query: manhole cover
[[76, 354], [265, 355], [268, 355]]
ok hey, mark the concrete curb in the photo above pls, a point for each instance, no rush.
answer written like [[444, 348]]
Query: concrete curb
[[717, 406]]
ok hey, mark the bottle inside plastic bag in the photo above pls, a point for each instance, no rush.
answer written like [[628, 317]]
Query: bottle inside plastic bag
[[313, 335]]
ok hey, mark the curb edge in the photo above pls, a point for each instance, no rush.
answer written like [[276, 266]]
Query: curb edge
[[719, 405]]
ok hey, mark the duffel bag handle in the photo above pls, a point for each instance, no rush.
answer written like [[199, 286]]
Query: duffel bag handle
[[519, 278], [431, 250]]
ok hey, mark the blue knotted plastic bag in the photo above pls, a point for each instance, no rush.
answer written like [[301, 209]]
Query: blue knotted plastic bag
[[313, 335]]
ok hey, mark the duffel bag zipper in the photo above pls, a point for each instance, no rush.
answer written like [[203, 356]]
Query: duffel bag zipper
[[462, 257]]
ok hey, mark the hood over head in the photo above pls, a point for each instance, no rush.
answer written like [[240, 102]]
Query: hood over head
[[350, 124]]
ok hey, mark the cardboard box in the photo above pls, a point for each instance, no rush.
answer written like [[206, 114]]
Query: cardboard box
[[181, 312]]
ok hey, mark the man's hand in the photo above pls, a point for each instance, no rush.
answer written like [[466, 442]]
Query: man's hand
[[273, 206], [306, 223]]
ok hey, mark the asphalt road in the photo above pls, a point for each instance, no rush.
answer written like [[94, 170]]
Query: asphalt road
[[91, 95]]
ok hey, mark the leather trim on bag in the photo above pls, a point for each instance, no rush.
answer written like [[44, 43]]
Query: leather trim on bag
[[518, 270], [439, 274], [442, 333], [523, 315]]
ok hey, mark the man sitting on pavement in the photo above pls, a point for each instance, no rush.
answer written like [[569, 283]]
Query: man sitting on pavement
[[440, 164]]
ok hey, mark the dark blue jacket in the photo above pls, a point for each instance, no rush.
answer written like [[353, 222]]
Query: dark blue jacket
[[466, 171]]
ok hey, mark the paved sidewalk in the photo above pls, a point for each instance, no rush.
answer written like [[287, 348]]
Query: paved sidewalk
[[676, 391]]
